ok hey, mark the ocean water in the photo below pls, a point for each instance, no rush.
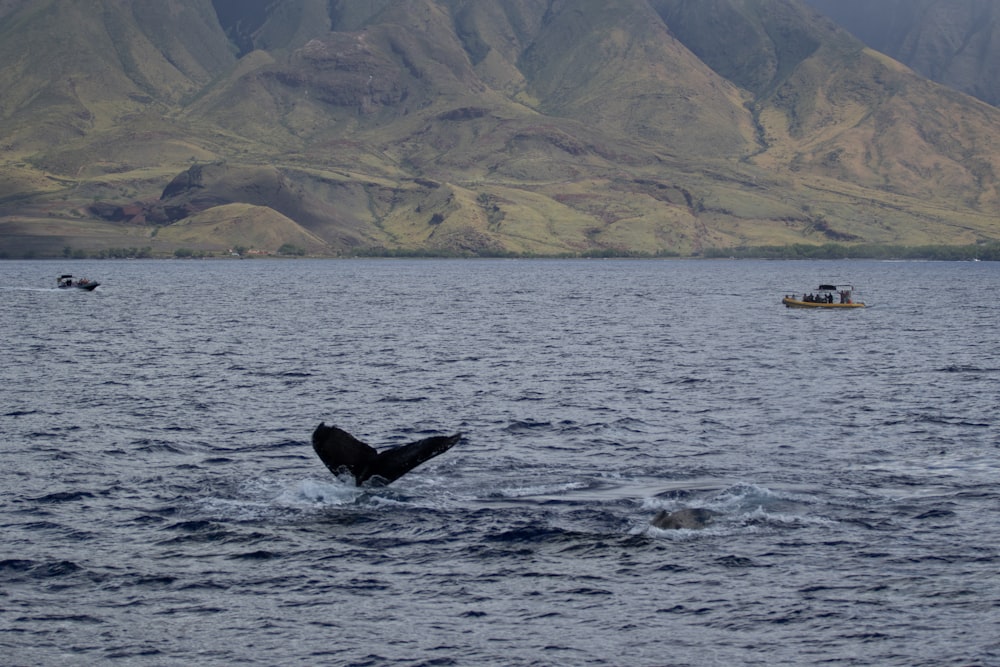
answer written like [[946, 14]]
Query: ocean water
[[161, 503]]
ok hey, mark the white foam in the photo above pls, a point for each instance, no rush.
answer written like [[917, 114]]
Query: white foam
[[541, 490], [311, 493]]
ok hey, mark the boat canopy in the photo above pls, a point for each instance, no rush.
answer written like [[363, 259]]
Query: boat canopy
[[828, 287]]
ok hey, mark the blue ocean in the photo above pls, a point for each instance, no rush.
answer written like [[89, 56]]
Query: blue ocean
[[162, 504]]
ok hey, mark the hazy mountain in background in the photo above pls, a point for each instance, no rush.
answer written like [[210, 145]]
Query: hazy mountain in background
[[455, 126], [954, 42]]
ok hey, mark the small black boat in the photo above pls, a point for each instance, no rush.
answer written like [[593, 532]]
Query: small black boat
[[66, 281]]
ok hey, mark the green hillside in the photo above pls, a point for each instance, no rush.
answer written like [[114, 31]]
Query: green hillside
[[657, 127]]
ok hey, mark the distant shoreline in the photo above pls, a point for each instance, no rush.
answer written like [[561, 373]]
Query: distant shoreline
[[957, 253]]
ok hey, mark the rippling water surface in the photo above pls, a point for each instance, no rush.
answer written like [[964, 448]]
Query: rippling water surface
[[161, 503]]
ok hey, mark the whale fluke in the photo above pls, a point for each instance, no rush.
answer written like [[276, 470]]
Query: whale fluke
[[691, 518], [340, 451]]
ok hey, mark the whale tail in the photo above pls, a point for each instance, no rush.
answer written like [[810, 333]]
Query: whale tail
[[341, 451]]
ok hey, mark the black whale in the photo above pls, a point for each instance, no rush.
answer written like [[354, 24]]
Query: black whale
[[340, 451], [691, 518]]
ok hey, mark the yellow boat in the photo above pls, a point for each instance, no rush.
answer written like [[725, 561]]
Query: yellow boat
[[827, 296]]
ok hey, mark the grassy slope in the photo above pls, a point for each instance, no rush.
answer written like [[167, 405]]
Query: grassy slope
[[486, 128]]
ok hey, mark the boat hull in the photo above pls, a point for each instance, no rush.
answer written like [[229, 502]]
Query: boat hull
[[794, 303]]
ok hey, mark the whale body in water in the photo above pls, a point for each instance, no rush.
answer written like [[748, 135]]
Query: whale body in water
[[690, 518], [341, 451]]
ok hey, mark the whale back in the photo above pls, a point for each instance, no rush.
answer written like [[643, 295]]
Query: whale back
[[690, 518]]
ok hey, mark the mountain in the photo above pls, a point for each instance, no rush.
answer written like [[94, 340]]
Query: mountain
[[954, 42], [544, 127]]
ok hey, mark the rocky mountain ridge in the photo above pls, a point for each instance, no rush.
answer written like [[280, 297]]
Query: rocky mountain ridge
[[542, 127], [953, 42]]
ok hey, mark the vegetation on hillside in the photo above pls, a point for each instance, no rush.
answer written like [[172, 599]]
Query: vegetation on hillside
[[950, 253], [442, 127]]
